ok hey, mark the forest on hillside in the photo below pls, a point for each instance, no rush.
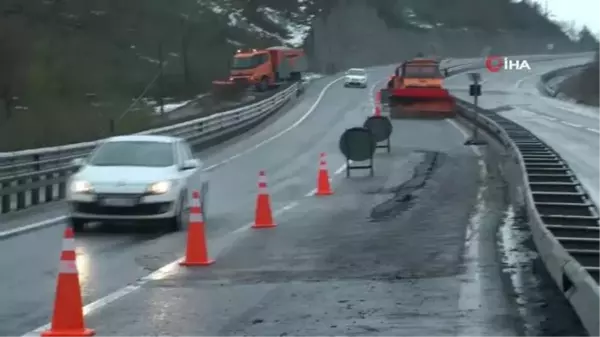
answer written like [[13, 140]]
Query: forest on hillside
[[68, 67]]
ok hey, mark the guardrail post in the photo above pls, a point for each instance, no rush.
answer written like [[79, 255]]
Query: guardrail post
[[62, 185], [35, 192], [21, 195], [49, 189], [5, 198]]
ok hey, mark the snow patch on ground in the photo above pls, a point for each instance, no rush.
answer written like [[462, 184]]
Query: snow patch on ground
[[309, 77], [296, 25], [175, 105], [296, 32]]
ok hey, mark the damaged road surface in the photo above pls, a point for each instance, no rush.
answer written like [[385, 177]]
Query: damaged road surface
[[385, 255]]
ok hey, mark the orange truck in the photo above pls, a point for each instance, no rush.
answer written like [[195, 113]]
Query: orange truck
[[416, 91], [265, 68]]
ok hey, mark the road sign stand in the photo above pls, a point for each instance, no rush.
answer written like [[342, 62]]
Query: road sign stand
[[384, 145], [370, 167], [475, 92]]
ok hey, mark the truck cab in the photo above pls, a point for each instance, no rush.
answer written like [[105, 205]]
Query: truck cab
[[268, 67], [417, 73]]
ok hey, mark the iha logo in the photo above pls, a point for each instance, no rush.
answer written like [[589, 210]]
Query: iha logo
[[496, 63]]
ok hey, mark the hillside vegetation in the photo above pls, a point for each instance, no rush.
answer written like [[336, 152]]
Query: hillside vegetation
[[69, 67], [584, 87]]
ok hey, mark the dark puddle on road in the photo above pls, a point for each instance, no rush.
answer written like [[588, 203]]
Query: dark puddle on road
[[405, 194], [545, 310]]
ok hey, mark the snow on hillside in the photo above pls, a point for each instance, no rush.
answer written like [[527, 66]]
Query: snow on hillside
[[295, 23]]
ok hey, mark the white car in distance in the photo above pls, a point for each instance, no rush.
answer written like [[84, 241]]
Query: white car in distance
[[356, 77], [136, 178]]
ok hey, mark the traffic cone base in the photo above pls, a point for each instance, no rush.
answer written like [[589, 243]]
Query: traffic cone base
[[196, 263], [264, 226], [323, 193], [68, 333]]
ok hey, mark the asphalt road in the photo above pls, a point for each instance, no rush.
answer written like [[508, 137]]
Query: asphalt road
[[410, 251], [109, 261]]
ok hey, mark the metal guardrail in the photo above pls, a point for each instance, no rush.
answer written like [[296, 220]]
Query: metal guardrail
[[564, 221], [32, 177], [546, 89]]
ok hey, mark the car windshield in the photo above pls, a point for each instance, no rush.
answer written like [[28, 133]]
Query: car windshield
[[247, 62], [422, 71], [356, 72], [125, 153]]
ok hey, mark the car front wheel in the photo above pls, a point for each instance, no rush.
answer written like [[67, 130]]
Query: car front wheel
[[78, 225], [181, 218]]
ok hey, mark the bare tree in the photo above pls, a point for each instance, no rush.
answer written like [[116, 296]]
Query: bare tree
[[13, 64]]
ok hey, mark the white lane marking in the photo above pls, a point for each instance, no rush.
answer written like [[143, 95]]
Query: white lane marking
[[549, 118], [572, 124], [593, 130], [311, 193], [341, 169], [466, 135], [45, 223], [282, 132], [520, 82], [31, 227]]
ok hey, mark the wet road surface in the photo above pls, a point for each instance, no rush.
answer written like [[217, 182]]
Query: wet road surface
[[110, 261], [382, 256], [385, 255]]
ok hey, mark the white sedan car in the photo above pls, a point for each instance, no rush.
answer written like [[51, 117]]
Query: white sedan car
[[356, 77], [134, 179]]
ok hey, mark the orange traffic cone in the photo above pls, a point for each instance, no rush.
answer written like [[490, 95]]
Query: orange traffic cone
[[323, 185], [378, 97], [67, 318], [377, 110], [196, 253], [263, 217]]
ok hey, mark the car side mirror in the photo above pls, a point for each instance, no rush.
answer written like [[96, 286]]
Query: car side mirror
[[78, 162], [190, 164]]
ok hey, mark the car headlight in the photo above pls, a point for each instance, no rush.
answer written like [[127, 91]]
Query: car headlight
[[160, 187], [81, 186]]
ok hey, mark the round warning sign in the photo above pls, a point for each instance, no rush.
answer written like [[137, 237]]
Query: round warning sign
[[358, 144], [380, 127]]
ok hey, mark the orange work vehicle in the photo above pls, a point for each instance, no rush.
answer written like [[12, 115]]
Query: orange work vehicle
[[416, 91], [265, 69]]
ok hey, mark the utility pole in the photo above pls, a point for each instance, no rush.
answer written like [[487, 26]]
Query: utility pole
[[184, 52], [161, 63]]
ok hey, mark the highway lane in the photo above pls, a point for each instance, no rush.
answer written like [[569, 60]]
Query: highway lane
[[111, 260], [385, 255], [369, 260]]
